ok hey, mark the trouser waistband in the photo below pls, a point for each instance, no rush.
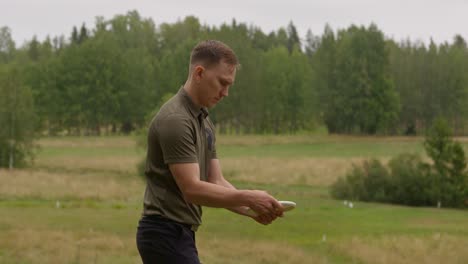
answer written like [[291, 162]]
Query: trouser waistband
[[165, 219]]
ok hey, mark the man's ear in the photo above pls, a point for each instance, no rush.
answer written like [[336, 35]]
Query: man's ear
[[198, 72]]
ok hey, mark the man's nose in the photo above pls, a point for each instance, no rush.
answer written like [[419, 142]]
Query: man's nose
[[225, 92]]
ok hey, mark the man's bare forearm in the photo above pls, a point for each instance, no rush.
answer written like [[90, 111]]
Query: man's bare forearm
[[214, 195], [236, 209], [208, 193]]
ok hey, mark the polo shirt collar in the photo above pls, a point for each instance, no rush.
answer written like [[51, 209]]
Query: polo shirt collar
[[194, 109]]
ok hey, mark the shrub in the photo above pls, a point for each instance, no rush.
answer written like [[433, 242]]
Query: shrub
[[409, 180], [369, 182]]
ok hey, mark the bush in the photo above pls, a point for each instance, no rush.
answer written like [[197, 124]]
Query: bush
[[406, 181], [370, 182], [409, 180]]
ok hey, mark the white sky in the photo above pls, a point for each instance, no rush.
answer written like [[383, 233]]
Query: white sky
[[398, 19]]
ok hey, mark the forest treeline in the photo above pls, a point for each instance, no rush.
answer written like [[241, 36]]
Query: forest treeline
[[109, 77]]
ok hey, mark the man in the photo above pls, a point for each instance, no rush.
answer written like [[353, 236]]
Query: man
[[182, 169]]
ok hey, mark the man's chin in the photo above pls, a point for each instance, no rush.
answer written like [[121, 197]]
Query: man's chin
[[212, 104]]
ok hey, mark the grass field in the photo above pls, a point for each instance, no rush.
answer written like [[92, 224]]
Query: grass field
[[81, 201]]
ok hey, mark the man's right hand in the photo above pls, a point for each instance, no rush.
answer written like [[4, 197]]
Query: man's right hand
[[265, 205]]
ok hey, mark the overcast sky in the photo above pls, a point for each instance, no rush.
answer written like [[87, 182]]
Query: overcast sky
[[398, 19]]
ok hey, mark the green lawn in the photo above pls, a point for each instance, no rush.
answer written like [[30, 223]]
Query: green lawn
[[97, 215]]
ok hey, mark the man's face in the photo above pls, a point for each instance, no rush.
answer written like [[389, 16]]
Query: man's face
[[214, 83]]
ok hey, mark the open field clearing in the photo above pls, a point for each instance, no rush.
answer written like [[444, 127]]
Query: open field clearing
[[81, 201]]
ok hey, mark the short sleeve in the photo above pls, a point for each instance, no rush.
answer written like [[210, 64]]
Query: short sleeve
[[213, 151], [211, 135], [177, 138]]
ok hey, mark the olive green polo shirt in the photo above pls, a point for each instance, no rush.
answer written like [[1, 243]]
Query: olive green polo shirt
[[180, 132]]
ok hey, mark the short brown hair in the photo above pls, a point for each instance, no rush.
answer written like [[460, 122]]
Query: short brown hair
[[210, 52]]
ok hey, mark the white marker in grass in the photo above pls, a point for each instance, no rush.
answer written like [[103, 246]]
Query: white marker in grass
[[287, 206]]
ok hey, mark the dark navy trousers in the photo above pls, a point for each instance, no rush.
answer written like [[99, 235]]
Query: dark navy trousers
[[163, 241]]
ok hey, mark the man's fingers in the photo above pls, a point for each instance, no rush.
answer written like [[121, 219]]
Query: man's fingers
[[276, 205], [262, 219], [268, 206]]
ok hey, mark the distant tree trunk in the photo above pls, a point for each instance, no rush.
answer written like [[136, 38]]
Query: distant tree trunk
[[248, 129], [12, 130], [11, 163], [276, 126], [222, 128], [127, 127], [457, 125], [294, 121], [238, 126], [97, 129]]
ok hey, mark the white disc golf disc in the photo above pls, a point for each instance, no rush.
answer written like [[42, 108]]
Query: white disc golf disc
[[287, 206]]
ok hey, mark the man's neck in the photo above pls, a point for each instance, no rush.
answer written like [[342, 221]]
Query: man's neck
[[191, 91]]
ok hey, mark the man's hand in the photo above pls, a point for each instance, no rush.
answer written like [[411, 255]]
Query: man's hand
[[264, 220], [265, 205], [215, 176]]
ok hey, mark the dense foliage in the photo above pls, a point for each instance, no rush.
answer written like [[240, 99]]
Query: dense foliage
[[109, 77], [411, 181]]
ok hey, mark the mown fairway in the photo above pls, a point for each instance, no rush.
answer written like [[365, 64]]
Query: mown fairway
[[81, 201]]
